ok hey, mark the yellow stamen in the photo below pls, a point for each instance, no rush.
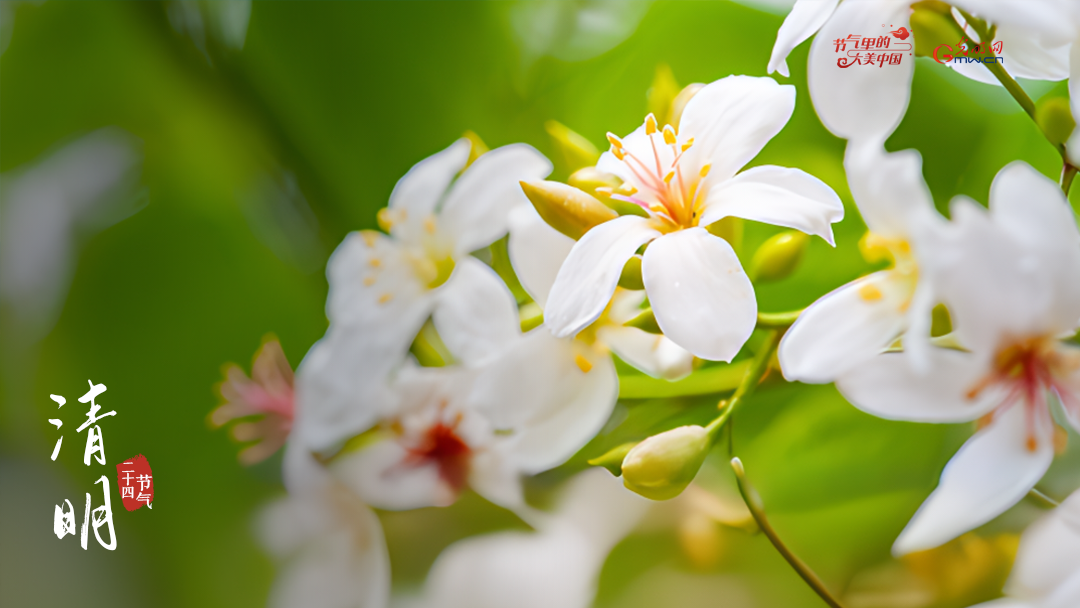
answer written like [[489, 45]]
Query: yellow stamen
[[369, 281], [370, 237], [669, 135], [650, 124], [667, 178], [870, 293], [687, 145], [705, 170], [375, 263], [618, 152], [429, 224], [582, 363], [615, 141], [386, 297], [383, 217]]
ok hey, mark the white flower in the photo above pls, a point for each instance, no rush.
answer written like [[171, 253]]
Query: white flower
[[869, 101], [1046, 573], [861, 319], [537, 251], [1010, 281], [700, 295], [332, 544], [558, 565], [383, 288]]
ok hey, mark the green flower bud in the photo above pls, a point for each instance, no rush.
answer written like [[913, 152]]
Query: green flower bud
[[631, 274], [932, 26], [778, 256], [663, 465], [589, 179], [565, 208], [730, 229], [680, 101], [662, 93], [613, 458], [1055, 119], [478, 149], [645, 321], [575, 151]]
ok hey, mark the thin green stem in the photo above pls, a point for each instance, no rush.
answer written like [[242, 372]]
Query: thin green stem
[[778, 319], [758, 366], [757, 509], [986, 38], [1041, 499]]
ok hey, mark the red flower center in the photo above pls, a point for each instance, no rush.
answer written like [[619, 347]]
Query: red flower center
[[441, 445]]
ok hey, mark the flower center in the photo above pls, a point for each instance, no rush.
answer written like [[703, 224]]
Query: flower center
[[441, 445], [1026, 370], [878, 248], [668, 193]]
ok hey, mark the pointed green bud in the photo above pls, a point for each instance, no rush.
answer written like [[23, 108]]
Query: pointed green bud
[[631, 274], [680, 101], [940, 321], [613, 458], [730, 229], [565, 208], [645, 321], [778, 256], [663, 465], [932, 26], [575, 151], [1055, 119], [478, 149], [662, 93]]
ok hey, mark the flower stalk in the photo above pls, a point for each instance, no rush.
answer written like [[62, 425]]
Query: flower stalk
[[757, 509]]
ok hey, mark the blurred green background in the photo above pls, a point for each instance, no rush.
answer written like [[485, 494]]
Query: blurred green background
[[256, 161]]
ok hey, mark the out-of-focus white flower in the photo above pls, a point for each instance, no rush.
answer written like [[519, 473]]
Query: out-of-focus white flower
[[383, 287], [537, 251], [861, 319], [573, 31], [1009, 280], [81, 188], [226, 22], [700, 295], [1047, 569], [331, 543], [558, 565], [869, 102]]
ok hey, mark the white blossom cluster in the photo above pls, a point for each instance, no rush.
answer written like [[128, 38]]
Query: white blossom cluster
[[515, 396]]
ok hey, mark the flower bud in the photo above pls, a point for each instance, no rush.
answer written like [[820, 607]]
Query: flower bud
[[778, 256], [662, 93], [589, 179], [478, 149], [663, 465], [680, 101], [575, 151], [932, 27], [645, 321], [613, 458], [631, 274], [730, 229], [1055, 119], [566, 208]]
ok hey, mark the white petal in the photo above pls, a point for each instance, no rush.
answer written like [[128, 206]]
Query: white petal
[[990, 473], [776, 195], [1033, 209], [478, 203], [1048, 19], [845, 328], [476, 315], [569, 423], [599, 506], [417, 194], [1049, 552], [702, 298], [993, 286], [805, 18], [370, 278], [886, 386], [1067, 595], [653, 354], [590, 273], [382, 475], [514, 569], [537, 251], [344, 568], [860, 101], [495, 475], [731, 120], [888, 188]]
